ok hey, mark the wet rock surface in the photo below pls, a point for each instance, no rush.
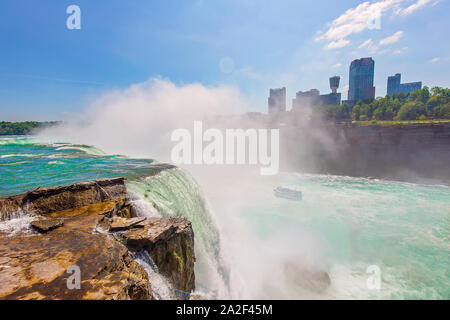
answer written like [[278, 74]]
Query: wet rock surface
[[44, 224], [120, 224], [74, 243], [170, 243], [48, 200]]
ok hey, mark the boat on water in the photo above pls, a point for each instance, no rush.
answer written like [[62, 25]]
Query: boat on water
[[287, 193]]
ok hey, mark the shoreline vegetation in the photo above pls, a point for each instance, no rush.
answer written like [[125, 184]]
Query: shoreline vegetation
[[23, 128], [388, 123], [423, 104], [420, 107]]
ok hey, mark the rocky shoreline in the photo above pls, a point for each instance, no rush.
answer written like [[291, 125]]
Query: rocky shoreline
[[90, 230]]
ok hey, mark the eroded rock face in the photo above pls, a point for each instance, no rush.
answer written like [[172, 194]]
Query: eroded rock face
[[41, 264], [411, 152], [170, 243], [48, 200]]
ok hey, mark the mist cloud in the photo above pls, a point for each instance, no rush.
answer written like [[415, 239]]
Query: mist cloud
[[138, 121]]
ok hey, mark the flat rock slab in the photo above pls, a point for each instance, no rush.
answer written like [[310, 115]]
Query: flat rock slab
[[43, 225], [156, 229], [73, 243], [120, 224], [41, 266]]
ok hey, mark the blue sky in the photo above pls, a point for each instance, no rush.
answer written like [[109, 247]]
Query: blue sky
[[50, 72]]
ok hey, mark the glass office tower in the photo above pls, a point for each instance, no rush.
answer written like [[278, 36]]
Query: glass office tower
[[361, 79]]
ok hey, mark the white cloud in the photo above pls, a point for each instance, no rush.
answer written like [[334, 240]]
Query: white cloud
[[371, 46], [400, 51], [391, 39], [366, 43], [338, 44], [434, 60], [355, 20], [414, 7], [337, 65], [362, 17]]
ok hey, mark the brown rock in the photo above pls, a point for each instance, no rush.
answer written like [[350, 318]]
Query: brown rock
[[170, 243], [47, 224], [38, 267], [119, 224], [74, 232], [47, 200]]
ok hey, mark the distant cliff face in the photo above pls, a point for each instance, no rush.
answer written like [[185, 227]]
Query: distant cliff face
[[415, 152]]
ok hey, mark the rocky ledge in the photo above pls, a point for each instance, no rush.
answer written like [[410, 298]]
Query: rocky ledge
[[82, 244]]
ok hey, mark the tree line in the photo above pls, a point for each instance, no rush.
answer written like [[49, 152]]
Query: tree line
[[23, 128], [422, 104]]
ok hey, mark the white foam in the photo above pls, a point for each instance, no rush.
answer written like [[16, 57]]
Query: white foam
[[18, 223], [145, 209], [161, 288], [55, 162], [19, 155]]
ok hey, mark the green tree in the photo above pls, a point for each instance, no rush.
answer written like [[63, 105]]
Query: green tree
[[366, 112], [444, 112], [421, 95], [379, 113], [356, 112], [411, 111]]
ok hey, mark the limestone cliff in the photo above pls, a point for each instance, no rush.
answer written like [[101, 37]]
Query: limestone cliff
[[91, 227], [411, 152]]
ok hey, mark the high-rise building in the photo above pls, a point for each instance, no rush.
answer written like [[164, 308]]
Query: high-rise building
[[333, 98], [309, 98], [394, 85], [313, 98], [361, 79], [334, 83], [277, 100], [330, 99]]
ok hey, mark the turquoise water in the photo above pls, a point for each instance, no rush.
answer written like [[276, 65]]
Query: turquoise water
[[27, 163], [401, 228], [346, 224]]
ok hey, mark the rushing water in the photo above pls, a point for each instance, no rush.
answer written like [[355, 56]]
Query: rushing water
[[343, 225]]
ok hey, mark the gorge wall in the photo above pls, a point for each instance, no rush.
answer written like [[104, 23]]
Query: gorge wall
[[413, 152]]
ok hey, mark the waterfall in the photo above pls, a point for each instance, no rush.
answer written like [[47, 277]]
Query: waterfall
[[161, 289], [174, 193]]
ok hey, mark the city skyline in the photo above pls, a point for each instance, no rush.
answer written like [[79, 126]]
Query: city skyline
[[361, 75], [52, 73]]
